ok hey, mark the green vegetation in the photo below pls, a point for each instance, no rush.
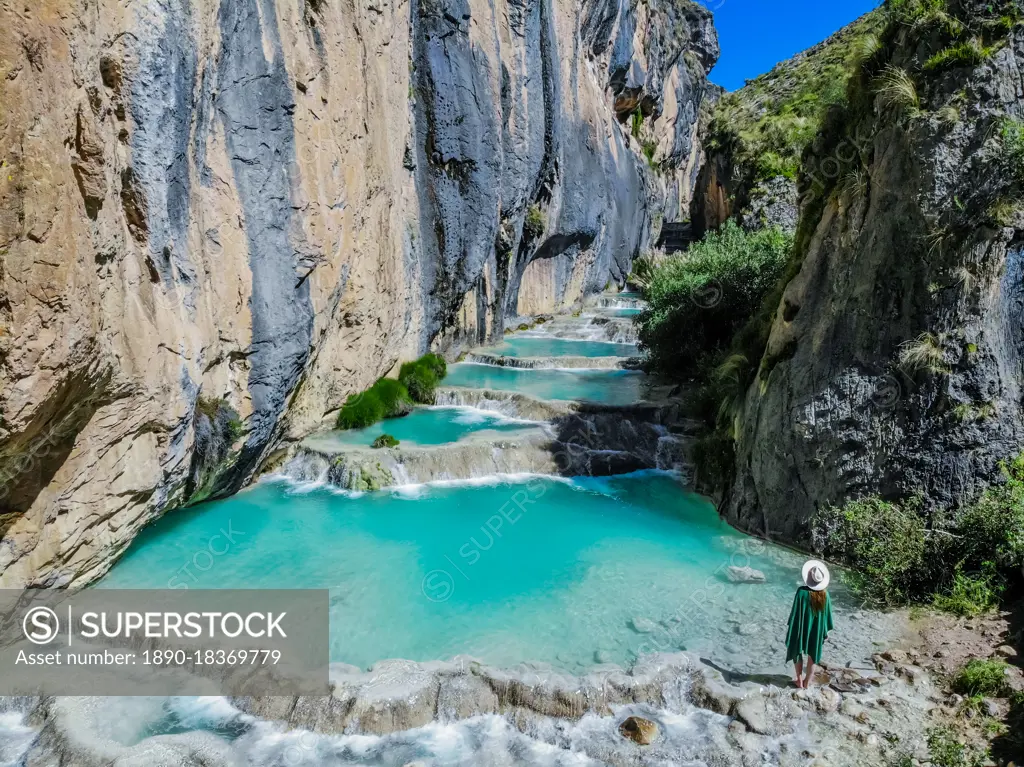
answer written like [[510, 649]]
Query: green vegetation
[[211, 406], [636, 120], [964, 53], [1011, 136], [421, 377], [535, 222], [766, 125], [384, 440], [389, 398], [946, 749], [698, 300], [981, 677], [899, 557], [649, 147], [896, 90], [925, 353], [970, 594], [644, 267]]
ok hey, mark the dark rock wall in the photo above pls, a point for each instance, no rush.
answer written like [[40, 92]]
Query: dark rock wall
[[896, 357]]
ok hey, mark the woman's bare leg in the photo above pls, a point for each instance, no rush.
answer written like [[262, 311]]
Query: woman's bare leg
[[799, 668], [810, 673]]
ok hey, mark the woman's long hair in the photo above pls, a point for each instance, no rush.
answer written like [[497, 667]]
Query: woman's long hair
[[818, 600]]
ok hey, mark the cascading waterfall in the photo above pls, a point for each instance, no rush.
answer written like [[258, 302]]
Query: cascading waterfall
[[572, 551]]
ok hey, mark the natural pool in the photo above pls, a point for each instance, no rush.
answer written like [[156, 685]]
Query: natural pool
[[423, 426], [568, 572], [545, 345], [612, 387]]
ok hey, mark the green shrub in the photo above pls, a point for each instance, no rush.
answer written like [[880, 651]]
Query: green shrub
[[534, 223], [771, 165], [649, 148], [971, 594], [981, 677], [384, 440], [361, 410], [964, 565], [643, 269], [910, 11], [884, 542], [421, 377], [699, 299], [636, 122], [387, 398]]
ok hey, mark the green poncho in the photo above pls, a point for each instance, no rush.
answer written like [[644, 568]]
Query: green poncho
[[807, 629]]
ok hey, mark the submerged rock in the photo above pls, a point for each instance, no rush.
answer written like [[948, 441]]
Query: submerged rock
[[744, 574], [642, 625]]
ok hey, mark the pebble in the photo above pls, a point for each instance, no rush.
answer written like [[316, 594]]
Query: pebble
[[1005, 651]]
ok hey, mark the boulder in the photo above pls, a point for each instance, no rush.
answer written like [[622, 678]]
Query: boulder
[[639, 730], [753, 712]]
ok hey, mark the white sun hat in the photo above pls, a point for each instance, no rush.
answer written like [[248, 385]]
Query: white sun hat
[[816, 575]]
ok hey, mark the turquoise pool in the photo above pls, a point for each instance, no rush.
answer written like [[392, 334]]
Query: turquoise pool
[[423, 426], [613, 387], [566, 572], [541, 345]]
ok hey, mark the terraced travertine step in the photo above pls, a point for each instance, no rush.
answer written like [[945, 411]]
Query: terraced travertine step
[[538, 363], [574, 439]]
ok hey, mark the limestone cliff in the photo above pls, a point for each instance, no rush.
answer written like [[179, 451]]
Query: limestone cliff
[[220, 218], [895, 360]]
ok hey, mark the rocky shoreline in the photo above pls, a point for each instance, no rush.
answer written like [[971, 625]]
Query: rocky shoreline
[[666, 709]]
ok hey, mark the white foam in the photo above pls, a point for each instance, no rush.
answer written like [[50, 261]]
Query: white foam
[[16, 738], [420, 489], [307, 486]]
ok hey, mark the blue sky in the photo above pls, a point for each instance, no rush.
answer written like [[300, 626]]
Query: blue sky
[[755, 35]]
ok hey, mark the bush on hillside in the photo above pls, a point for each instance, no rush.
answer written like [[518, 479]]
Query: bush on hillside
[[421, 377], [963, 566], [699, 299]]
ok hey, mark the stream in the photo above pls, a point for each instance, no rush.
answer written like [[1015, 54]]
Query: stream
[[480, 536]]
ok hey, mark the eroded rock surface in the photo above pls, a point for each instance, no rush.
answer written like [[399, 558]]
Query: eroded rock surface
[[894, 362], [218, 218]]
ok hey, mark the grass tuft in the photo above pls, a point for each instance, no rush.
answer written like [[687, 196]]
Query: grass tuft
[[924, 353], [961, 54], [981, 677], [897, 91]]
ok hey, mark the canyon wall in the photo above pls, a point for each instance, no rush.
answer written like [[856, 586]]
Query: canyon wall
[[219, 219], [896, 356]]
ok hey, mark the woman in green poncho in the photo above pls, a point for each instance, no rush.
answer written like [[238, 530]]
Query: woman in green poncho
[[810, 620]]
